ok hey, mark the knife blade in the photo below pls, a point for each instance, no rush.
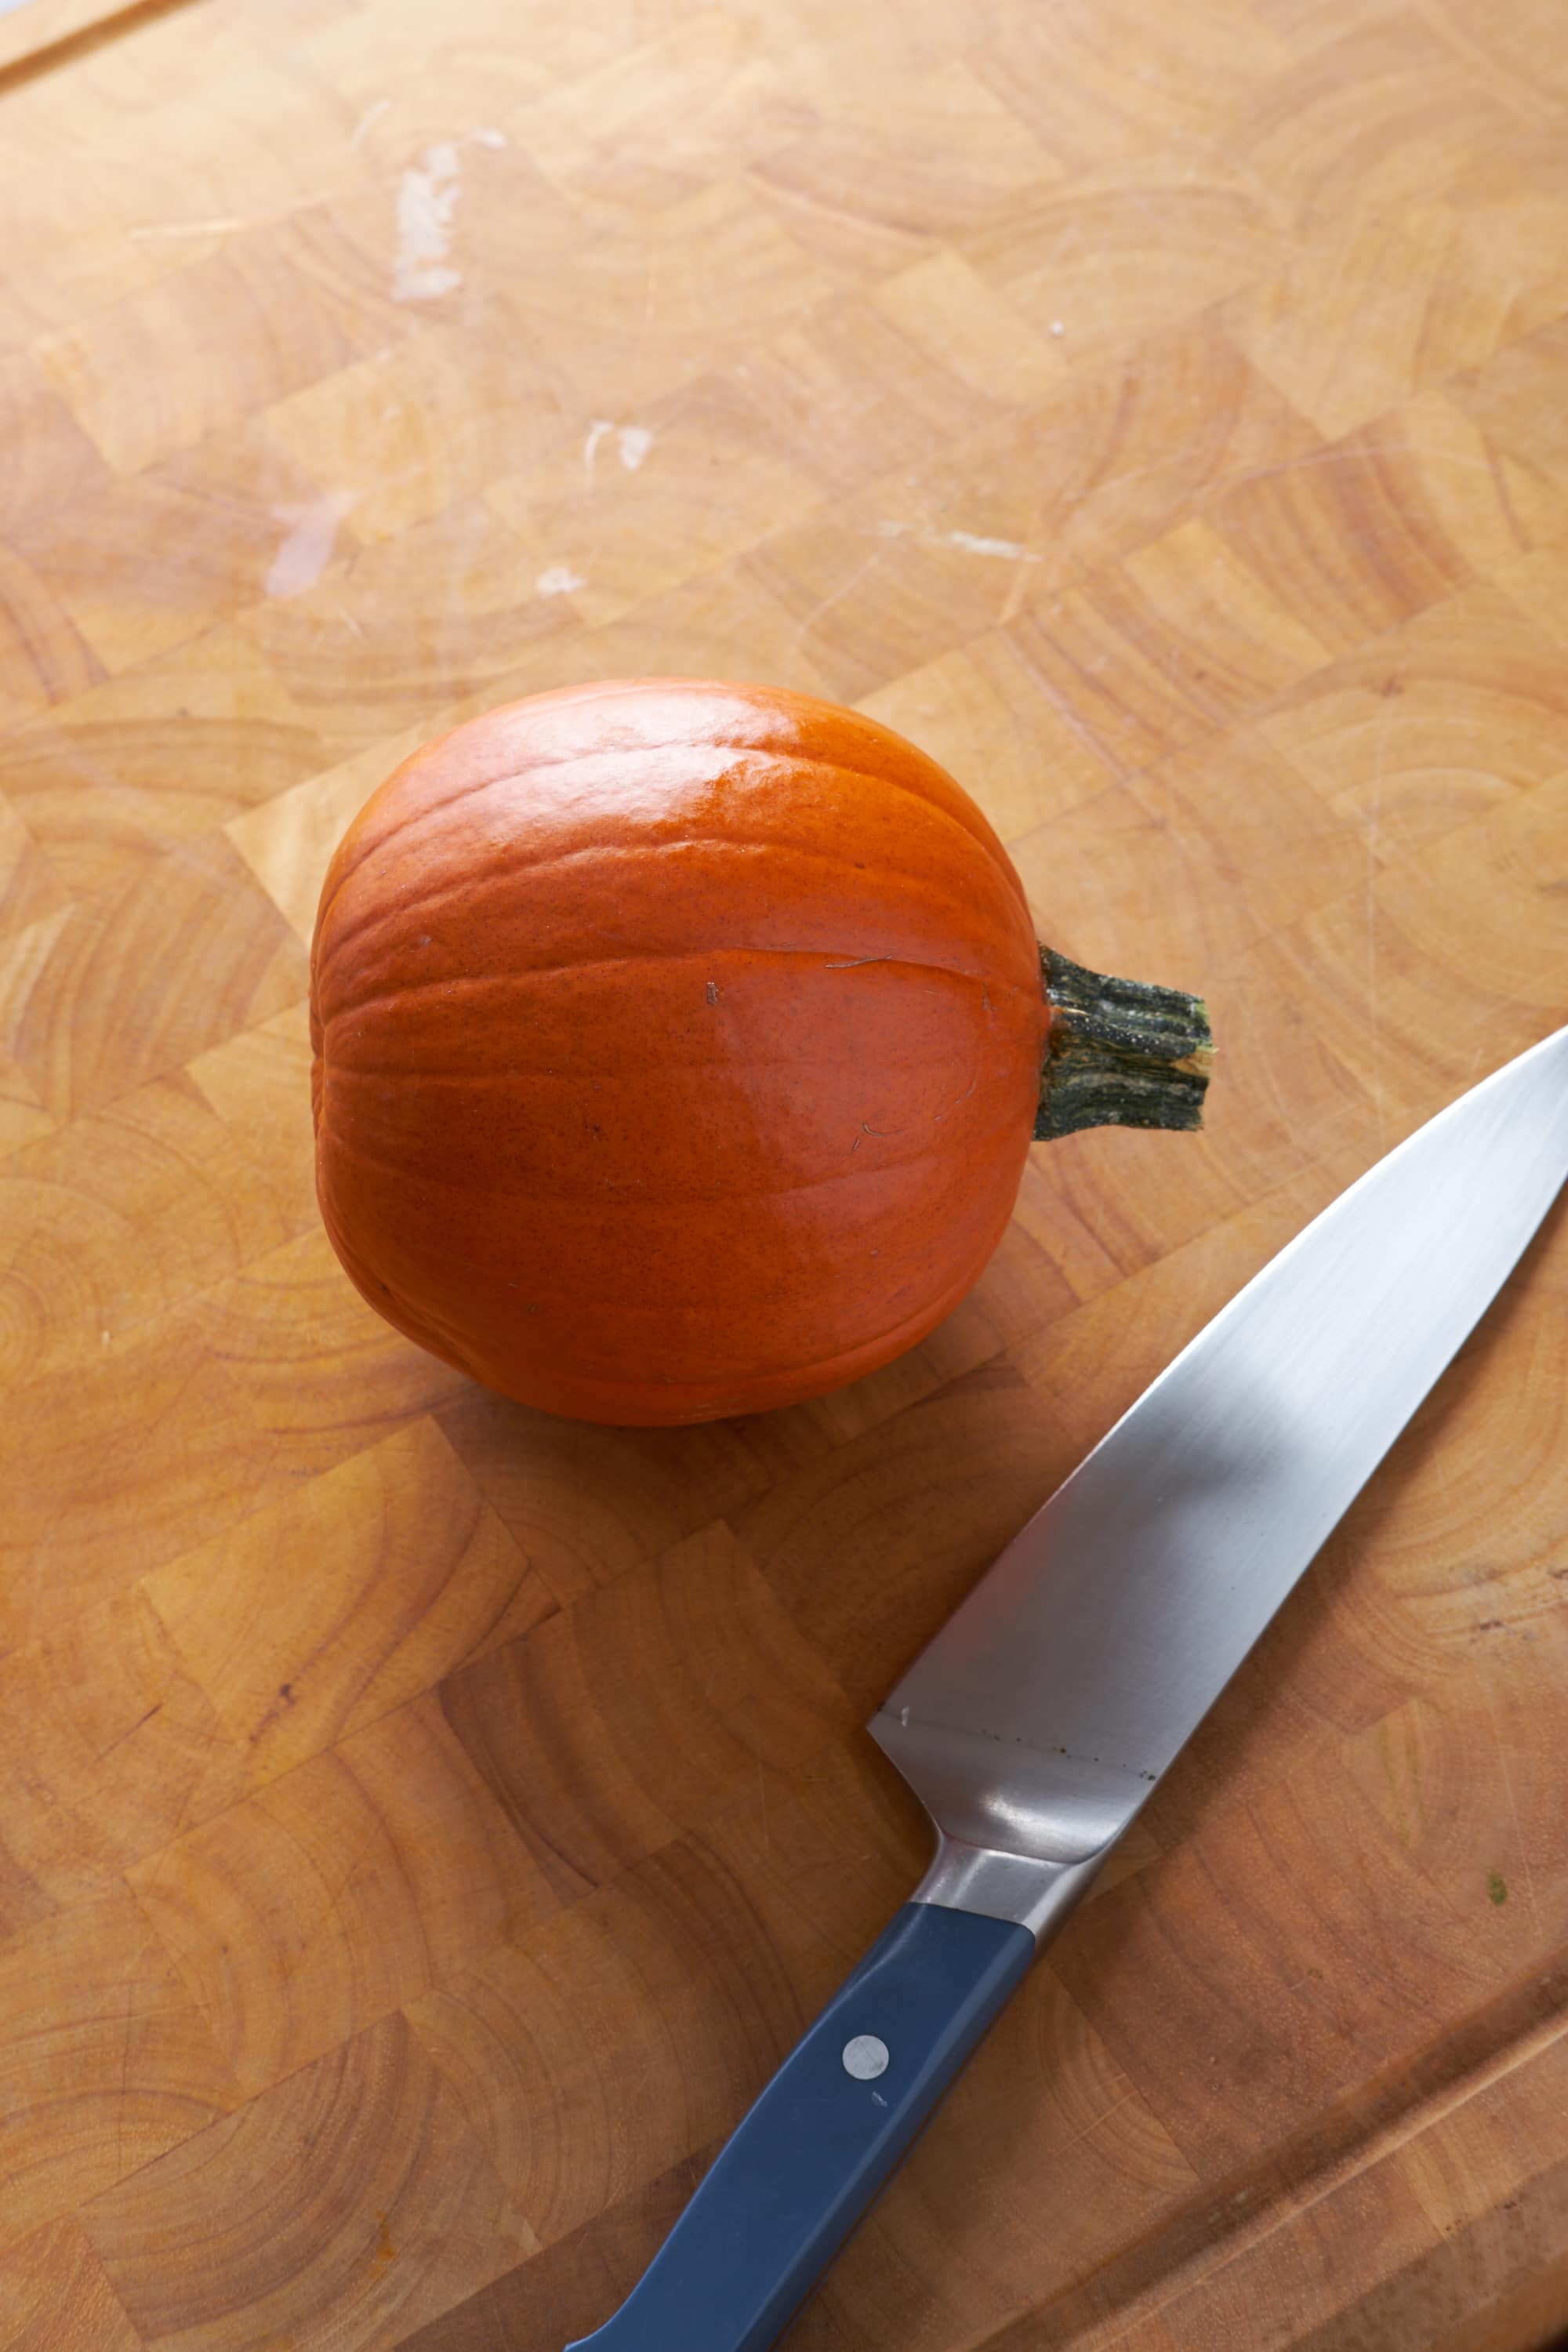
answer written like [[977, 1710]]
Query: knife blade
[[1037, 1723]]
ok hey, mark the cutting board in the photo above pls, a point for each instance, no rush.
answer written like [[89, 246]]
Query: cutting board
[[425, 1823]]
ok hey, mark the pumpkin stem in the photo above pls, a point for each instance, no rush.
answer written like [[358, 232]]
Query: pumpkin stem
[[1121, 1053]]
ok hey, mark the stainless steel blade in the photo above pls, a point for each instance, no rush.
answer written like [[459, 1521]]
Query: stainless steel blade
[[1036, 1722]]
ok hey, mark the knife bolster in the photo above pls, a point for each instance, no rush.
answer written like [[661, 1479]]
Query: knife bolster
[[1032, 1894]]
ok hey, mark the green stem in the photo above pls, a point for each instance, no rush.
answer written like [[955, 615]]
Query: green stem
[[1121, 1053]]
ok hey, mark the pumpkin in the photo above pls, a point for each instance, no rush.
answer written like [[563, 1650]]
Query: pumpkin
[[679, 1046]]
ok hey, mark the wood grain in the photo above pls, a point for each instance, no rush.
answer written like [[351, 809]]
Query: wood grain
[[422, 1822]]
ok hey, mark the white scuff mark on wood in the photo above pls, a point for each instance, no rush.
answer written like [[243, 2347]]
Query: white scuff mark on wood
[[559, 581], [489, 138], [221, 225], [632, 443], [426, 205], [1012, 551], [369, 118], [307, 546]]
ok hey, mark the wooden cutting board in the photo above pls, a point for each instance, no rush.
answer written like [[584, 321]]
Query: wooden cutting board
[[424, 1824]]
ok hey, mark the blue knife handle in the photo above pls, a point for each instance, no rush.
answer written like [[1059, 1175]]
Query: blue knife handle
[[805, 2162]]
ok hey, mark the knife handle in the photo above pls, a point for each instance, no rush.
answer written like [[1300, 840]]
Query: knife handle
[[803, 2166]]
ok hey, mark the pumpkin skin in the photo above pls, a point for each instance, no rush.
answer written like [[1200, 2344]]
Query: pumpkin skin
[[677, 1046]]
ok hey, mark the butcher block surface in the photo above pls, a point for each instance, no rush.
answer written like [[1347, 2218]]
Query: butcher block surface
[[425, 1823]]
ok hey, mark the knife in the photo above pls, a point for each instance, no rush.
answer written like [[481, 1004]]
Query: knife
[[1052, 1702]]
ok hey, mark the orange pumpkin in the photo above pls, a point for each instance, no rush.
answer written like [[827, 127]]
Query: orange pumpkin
[[678, 1048]]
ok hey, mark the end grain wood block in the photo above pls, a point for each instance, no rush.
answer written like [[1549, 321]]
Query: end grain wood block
[[109, 1749], [633, 1714], [317, 1882], [53, 2291], [433, 1580], [356, 2174], [108, 2062]]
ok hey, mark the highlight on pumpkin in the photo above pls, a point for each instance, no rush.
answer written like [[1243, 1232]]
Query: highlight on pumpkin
[[679, 1046]]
